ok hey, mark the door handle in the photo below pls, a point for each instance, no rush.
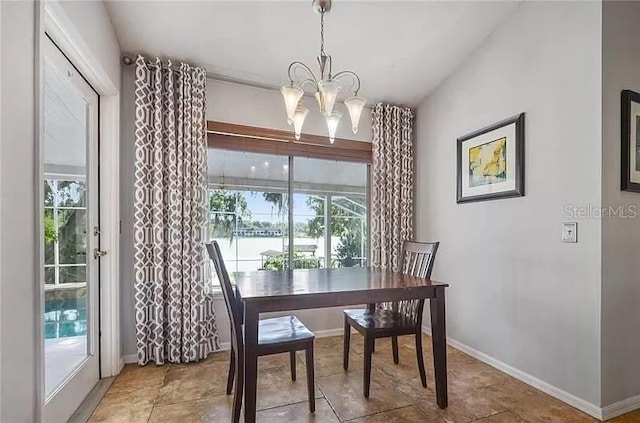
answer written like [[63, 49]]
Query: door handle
[[97, 253]]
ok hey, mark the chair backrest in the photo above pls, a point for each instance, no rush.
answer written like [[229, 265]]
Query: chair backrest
[[417, 258], [234, 307]]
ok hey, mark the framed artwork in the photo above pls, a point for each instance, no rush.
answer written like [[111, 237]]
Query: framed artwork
[[630, 125], [491, 162]]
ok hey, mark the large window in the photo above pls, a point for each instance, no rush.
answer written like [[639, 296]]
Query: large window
[[250, 211]]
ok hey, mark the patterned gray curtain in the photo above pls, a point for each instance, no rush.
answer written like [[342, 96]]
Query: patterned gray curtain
[[175, 318], [391, 184]]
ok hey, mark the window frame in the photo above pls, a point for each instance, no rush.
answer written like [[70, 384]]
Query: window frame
[[56, 208]]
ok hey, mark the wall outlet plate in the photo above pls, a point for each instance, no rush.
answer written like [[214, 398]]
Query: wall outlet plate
[[570, 232]]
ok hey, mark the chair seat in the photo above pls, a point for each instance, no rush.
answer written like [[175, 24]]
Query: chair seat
[[378, 319], [283, 329]]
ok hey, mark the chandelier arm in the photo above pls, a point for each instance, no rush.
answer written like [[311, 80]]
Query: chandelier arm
[[292, 67], [353, 74], [309, 81]]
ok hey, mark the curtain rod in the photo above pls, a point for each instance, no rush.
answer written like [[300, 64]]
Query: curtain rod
[[128, 61]]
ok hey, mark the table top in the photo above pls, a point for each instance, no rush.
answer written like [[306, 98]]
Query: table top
[[270, 285]]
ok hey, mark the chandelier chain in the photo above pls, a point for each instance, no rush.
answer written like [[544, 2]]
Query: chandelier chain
[[322, 33]]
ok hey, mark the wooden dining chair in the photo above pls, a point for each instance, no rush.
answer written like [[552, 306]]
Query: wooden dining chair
[[390, 320], [276, 335]]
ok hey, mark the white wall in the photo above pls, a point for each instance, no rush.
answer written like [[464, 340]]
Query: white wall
[[18, 283], [517, 293], [127, 150], [226, 102], [620, 237]]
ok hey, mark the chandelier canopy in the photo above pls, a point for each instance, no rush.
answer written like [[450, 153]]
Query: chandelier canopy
[[326, 88]]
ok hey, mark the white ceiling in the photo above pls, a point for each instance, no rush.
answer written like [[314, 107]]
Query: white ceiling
[[401, 50]]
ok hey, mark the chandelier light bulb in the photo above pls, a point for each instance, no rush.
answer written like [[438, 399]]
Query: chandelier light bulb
[[328, 94], [318, 97], [333, 119], [355, 105], [299, 116], [292, 95]]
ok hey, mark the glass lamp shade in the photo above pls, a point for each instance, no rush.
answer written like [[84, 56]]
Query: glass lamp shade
[[298, 119], [318, 97], [333, 119], [328, 93], [292, 95], [355, 105]]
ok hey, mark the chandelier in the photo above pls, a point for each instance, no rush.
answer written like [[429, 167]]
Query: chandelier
[[326, 88]]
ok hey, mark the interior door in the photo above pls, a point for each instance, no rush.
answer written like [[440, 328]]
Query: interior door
[[70, 238]]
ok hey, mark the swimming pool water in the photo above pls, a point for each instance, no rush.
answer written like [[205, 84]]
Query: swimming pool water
[[65, 313]]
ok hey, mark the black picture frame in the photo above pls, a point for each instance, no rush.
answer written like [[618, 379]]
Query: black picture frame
[[518, 120], [627, 97]]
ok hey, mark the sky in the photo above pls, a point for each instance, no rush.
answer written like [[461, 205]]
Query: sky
[[264, 211]]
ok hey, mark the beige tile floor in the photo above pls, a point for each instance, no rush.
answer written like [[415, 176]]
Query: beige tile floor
[[196, 392]]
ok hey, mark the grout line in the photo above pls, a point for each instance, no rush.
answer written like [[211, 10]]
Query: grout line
[[280, 406], [383, 412], [497, 414], [155, 399]]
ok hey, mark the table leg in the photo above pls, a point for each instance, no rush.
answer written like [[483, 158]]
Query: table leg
[[439, 341], [250, 363]]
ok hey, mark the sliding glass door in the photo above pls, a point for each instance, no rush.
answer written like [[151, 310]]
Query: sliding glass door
[[250, 211], [330, 205], [70, 236]]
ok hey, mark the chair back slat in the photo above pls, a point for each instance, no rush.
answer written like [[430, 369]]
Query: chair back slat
[[234, 306], [417, 259]]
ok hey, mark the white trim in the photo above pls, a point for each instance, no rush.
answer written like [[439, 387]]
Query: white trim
[[129, 359], [621, 407], [110, 234], [226, 346], [62, 30], [326, 333], [564, 396], [1, 208], [39, 226]]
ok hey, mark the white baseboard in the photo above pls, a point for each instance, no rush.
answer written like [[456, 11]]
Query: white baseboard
[[130, 358], [226, 346], [564, 396], [329, 332], [621, 407]]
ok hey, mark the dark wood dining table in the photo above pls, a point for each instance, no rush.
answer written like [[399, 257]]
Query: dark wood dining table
[[289, 290]]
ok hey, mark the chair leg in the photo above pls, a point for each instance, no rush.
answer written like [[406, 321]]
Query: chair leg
[[310, 377], [423, 374], [239, 389], [347, 342], [232, 370], [394, 345], [373, 346], [369, 342], [292, 360]]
